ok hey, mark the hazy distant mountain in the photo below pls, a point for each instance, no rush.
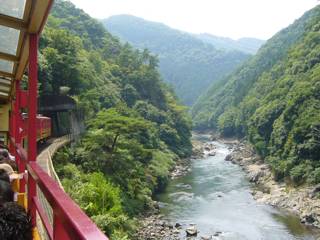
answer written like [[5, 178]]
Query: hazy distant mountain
[[186, 62], [248, 45]]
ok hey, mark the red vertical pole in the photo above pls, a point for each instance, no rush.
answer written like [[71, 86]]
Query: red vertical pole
[[15, 121], [17, 132], [12, 128], [32, 115]]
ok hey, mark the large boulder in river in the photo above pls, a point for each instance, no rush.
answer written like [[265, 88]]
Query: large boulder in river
[[206, 237], [212, 153], [228, 157], [178, 225], [191, 231]]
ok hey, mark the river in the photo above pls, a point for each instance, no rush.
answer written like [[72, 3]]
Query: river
[[215, 195]]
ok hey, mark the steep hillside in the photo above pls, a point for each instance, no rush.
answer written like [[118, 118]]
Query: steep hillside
[[274, 99], [187, 63], [247, 45], [135, 128]]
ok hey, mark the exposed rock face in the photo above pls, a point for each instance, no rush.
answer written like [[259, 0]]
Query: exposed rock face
[[315, 191], [301, 201], [154, 228], [209, 149], [197, 149], [179, 171], [212, 153], [192, 231], [256, 174], [178, 225]]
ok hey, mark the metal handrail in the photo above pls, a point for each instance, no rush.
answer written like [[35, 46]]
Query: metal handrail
[[69, 221]]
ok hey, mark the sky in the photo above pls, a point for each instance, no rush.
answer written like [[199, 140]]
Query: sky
[[227, 18]]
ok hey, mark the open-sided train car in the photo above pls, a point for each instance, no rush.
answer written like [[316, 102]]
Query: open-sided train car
[[43, 125]]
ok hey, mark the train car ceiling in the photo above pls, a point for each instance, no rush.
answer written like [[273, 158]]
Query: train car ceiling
[[18, 19]]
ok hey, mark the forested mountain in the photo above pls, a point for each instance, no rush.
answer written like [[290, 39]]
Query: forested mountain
[[135, 128], [247, 45], [186, 62], [274, 99]]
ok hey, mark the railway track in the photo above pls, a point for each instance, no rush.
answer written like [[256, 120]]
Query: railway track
[[44, 159]]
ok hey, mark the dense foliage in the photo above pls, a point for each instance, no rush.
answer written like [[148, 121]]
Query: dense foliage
[[186, 62], [274, 99], [135, 128]]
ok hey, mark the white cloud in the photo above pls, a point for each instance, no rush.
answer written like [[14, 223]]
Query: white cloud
[[231, 18]]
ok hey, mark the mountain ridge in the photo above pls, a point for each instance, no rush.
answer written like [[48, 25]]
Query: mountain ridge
[[245, 44], [186, 62]]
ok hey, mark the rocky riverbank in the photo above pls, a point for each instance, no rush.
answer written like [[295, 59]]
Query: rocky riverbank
[[302, 201], [155, 227]]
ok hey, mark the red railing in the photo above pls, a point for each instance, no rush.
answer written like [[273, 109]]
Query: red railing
[[69, 221]]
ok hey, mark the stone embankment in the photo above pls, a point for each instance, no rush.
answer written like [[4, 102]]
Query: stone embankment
[[155, 227], [303, 201]]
